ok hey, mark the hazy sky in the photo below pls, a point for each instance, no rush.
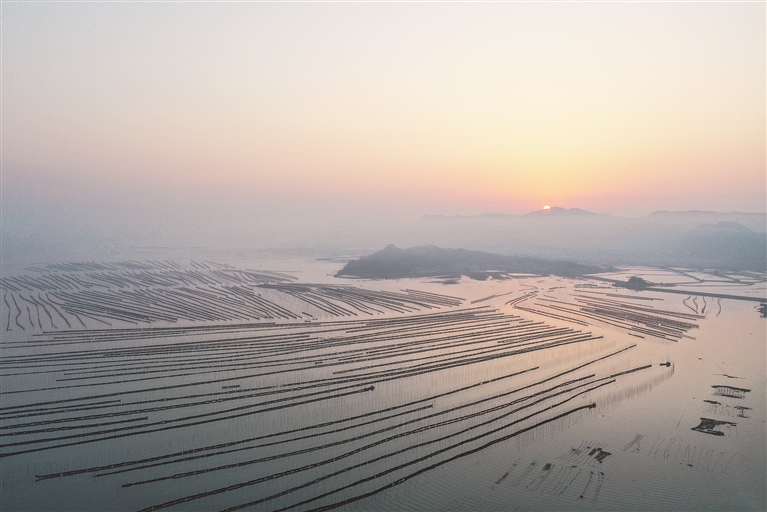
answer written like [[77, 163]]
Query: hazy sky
[[140, 110]]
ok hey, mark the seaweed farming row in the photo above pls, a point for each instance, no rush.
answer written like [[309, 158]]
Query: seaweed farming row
[[93, 295], [680, 450], [638, 320], [350, 359], [80, 276], [100, 390], [553, 478], [368, 399]]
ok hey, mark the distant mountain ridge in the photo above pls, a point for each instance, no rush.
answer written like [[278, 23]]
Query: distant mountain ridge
[[570, 212], [754, 221], [553, 211], [731, 240]]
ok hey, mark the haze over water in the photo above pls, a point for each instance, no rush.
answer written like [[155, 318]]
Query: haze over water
[[236, 122], [383, 256]]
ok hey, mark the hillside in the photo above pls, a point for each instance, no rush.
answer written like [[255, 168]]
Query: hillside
[[736, 241], [430, 261]]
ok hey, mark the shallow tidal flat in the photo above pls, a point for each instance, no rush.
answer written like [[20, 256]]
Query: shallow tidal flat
[[158, 385]]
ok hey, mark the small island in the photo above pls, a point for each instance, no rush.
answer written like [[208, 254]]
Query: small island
[[431, 261], [635, 283]]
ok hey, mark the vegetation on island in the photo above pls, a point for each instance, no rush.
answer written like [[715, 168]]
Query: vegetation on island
[[430, 261]]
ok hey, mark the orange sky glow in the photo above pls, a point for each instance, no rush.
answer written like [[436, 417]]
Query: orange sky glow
[[620, 108]]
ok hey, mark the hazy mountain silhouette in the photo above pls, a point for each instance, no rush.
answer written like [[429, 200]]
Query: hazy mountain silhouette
[[557, 211], [732, 240], [723, 245], [753, 221]]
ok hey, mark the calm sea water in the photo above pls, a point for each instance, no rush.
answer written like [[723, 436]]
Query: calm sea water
[[528, 393]]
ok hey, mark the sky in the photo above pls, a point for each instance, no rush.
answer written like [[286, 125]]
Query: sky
[[124, 117]]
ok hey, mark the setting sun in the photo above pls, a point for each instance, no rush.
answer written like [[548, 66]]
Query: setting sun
[[546, 207]]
